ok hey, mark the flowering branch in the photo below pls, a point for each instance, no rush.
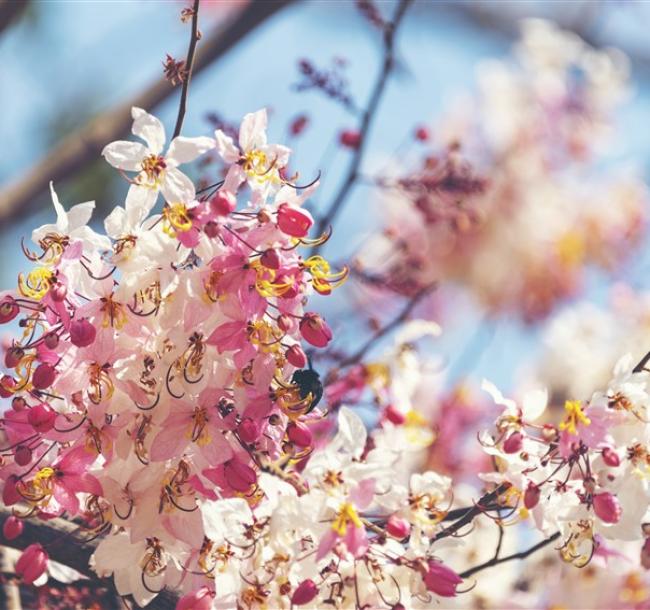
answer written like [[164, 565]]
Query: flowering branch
[[367, 119], [189, 62]]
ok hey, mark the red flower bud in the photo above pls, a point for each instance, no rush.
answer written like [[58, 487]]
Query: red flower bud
[[223, 203], [394, 415], [13, 356], [270, 259], [531, 496], [398, 527], [299, 434], [6, 383], [82, 333], [607, 507], [12, 527], [43, 376], [32, 563], [294, 221], [51, 340], [513, 443], [239, 476], [286, 323], [197, 600], [8, 310], [41, 417], [304, 593], [610, 457], [441, 579], [350, 138], [422, 133], [248, 430], [315, 330], [298, 125], [212, 229], [296, 356], [23, 455]]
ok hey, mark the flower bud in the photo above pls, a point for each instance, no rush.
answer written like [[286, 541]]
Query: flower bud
[[82, 333], [607, 507], [531, 496], [58, 292], [549, 433], [350, 138], [12, 527], [32, 563], [286, 323], [8, 310], [41, 417], [296, 356], [441, 580], [645, 554], [248, 430], [13, 356], [293, 221], [51, 340], [211, 229], [18, 403], [610, 457], [43, 376], [300, 434], [514, 443], [239, 476], [315, 330], [23, 455], [397, 527], [10, 494], [422, 134], [6, 384], [270, 259], [305, 592], [223, 203], [394, 415], [298, 124], [197, 600]]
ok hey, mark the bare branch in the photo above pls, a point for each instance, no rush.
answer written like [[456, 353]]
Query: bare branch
[[85, 145], [10, 10]]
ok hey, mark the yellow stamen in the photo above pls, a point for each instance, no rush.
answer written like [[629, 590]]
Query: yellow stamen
[[347, 515], [574, 416], [37, 284], [176, 219]]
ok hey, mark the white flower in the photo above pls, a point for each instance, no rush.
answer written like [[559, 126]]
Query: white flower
[[156, 172]]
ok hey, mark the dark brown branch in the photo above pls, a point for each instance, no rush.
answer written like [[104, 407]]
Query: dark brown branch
[[10, 10], [522, 555], [641, 366], [194, 37], [366, 121], [84, 146]]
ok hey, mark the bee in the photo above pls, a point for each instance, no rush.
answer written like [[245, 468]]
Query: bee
[[309, 382]]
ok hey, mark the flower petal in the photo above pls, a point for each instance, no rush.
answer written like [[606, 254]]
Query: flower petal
[[226, 147], [149, 128], [252, 133], [125, 155], [177, 187], [184, 150], [140, 200]]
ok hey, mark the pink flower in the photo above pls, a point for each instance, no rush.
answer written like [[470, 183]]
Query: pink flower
[[607, 507], [441, 579], [32, 563], [223, 203], [398, 527]]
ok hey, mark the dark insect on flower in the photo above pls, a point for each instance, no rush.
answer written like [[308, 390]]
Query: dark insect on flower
[[308, 382]]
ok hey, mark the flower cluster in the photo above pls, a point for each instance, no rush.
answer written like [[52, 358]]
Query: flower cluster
[[510, 203], [159, 367]]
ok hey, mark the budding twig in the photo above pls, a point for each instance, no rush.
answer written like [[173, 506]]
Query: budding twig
[[189, 62]]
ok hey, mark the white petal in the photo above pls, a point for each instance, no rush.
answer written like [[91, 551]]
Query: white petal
[[226, 147], [61, 216], [351, 435], [252, 133], [177, 187], [534, 404], [278, 153], [80, 214], [149, 128], [125, 155], [184, 150], [115, 222], [139, 202]]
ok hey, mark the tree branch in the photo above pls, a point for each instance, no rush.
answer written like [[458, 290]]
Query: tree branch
[[84, 146], [366, 121], [10, 10], [194, 37]]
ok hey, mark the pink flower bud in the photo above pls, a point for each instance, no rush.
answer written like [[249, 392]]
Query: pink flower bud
[[422, 133], [239, 476], [305, 592], [398, 527], [513, 443], [8, 310], [298, 125], [315, 330], [394, 415], [299, 434], [211, 229], [58, 292], [441, 579], [43, 376], [23, 455], [10, 494], [13, 356], [51, 340], [12, 527], [296, 356], [32, 563], [350, 138], [607, 507], [82, 333], [6, 383], [294, 221], [610, 457], [197, 600], [531, 496], [286, 323], [645, 554], [18, 403], [270, 259], [41, 417], [223, 203], [248, 430]]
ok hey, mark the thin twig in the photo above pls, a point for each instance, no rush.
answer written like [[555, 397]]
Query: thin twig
[[189, 62], [366, 121], [522, 555]]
